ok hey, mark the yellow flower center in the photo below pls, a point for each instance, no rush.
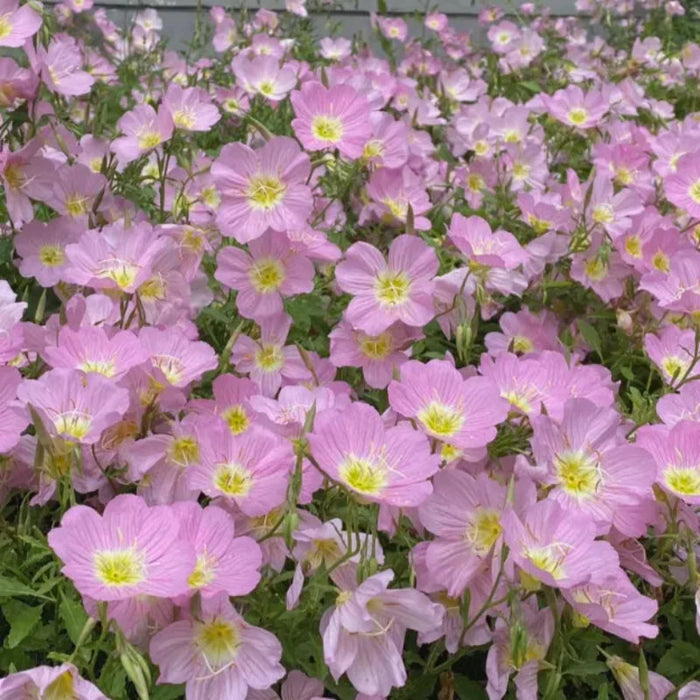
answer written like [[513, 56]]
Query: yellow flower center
[[661, 262], [267, 88], [624, 176], [441, 420], [77, 205], [398, 209], [5, 26], [694, 191], [75, 424], [106, 368], [327, 128], [218, 640], [603, 214], [211, 196], [549, 559], [121, 272], [184, 450], [184, 118], [674, 366], [633, 246], [269, 358], [149, 140], [392, 288], [172, 367], [377, 347], [373, 149], [596, 269], [13, 173], [448, 453], [61, 688], [578, 116], [519, 399], [521, 343], [683, 480], [265, 192], [96, 165], [484, 530], [119, 567], [475, 182], [233, 479], [363, 476], [237, 419], [51, 255], [266, 275], [540, 225], [521, 170], [323, 551], [578, 473], [204, 571]]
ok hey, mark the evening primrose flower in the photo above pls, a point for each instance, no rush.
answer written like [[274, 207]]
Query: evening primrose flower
[[129, 550], [262, 189], [73, 406], [331, 117], [461, 412], [49, 683], [250, 470], [17, 24], [42, 248], [143, 130], [383, 465], [385, 291], [90, 349], [217, 654], [225, 563], [268, 271]]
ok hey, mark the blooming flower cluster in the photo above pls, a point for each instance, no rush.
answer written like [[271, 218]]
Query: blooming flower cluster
[[332, 373]]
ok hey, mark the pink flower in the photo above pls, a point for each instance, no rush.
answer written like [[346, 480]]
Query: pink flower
[[399, 289], [42, 248], [536, 630], [672, 351], [179, 359], [378, 355], [191, 109], [266, 274], [524, 332], [575, 108], [49, 682], [218, 654], [384, 465], [90, 349], [393, 28], [225, 563], [616, 606], [685, 405], [115, 258], [629, 679], [129, 550], [556, 546], [392, 192], [335, 48], [15, 83], [13, 419], [75, 191], [364, 635], [251, 470], [143, 130], [17, 24], [61, 66], [461, 412], [262, 189], [73, 406], [335, 117], [590, 470], [264, 75], [676, 451], [465, 514], [683, 187], [481, 246], [268, 360]]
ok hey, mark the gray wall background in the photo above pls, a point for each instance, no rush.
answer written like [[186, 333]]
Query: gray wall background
[[179, 15]]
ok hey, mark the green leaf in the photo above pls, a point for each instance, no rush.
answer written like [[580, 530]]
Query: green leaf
[[10, 588], [168, 692], [74, 616], [586, 668], [22, 619], [468, 689], [590, 335]]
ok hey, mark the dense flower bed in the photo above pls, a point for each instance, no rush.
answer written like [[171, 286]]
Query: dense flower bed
[[327, 372]]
